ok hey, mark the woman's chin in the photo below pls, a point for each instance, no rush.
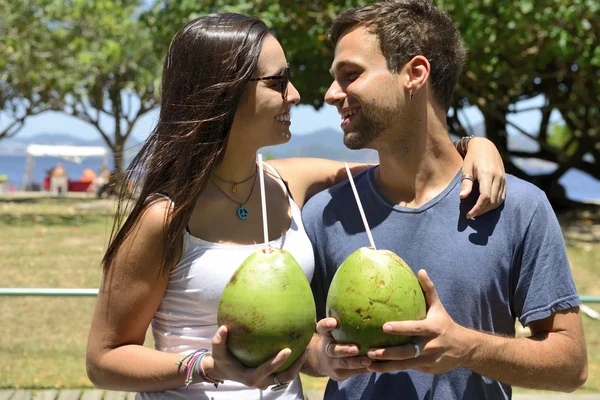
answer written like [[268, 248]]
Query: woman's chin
[[286, 137], [281, 136]]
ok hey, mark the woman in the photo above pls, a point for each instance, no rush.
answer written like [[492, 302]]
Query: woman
[[225, 95]]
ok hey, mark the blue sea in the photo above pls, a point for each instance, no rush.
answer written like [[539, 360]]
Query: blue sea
[[578, 185]]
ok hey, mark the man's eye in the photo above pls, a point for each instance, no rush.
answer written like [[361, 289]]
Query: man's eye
[[352, 76]]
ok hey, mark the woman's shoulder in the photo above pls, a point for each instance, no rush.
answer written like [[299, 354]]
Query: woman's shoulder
[[155, 213], [146, 242]]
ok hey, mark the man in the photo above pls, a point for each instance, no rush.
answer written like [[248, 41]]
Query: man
[[395, 68]]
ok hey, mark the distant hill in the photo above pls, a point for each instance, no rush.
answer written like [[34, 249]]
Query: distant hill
[[325, 143]]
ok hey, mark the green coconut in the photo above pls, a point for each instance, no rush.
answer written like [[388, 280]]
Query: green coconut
[[370, 288], [267, 306]]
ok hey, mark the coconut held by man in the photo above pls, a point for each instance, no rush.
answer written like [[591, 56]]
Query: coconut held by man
[[370, 288]]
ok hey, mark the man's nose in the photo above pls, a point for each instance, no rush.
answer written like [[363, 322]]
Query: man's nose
[[334, 94]]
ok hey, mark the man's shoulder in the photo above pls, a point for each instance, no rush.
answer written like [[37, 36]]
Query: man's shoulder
[[317, 204], [524, 201], [331, 199], [523, 194]]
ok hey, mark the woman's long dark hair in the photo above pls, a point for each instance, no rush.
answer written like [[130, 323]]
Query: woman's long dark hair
[[208, 66]]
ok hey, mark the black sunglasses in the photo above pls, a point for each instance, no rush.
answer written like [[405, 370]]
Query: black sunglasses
[[283, 79]]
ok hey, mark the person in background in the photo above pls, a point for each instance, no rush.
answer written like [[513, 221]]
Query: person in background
[[59, 181], [102, 181]]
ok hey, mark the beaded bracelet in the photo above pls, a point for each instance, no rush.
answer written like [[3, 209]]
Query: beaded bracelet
[[463, 144], [193, 363]]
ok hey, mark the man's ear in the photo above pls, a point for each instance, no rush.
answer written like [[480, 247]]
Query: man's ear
[[416, 72]]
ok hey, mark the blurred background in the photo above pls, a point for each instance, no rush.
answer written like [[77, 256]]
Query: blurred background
[[80, 87]]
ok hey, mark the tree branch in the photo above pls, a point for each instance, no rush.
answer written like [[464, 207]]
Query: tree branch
[[85, 116], [12, 129], [543, 132], [144, 108], [588, 167], [494, 113], [127, 112], [34, 108]]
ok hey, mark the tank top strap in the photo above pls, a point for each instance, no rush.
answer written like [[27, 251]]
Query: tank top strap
[[274, 171], [295, 209]]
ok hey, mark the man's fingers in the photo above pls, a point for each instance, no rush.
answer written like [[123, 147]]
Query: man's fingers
[[325, 326], [408, 328], [398, 353], [431, 296], [341, 350], [352, 363]]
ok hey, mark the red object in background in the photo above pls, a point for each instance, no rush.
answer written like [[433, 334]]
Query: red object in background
[[78, 186], [73, 186]]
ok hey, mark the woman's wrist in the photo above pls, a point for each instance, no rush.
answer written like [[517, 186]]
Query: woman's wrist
[[193, 366], [462, 145], [208, 366]]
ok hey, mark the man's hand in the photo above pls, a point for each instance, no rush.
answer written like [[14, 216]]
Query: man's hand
[[438, 338], [338, 361]]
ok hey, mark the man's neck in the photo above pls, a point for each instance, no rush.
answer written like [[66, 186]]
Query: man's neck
[[413, 172]]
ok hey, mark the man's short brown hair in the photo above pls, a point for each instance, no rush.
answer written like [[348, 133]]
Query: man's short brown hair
[[407, 28]]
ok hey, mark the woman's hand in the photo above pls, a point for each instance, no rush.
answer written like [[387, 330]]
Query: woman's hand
[[223, 366], [484, 164]]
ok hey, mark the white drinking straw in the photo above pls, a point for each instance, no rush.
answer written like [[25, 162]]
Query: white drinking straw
[[263, 200], [360, 207]]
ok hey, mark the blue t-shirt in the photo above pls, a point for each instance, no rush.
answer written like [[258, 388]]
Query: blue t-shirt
[[509, 263]]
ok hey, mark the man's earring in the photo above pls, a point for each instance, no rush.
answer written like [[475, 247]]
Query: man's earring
[[410, 95]]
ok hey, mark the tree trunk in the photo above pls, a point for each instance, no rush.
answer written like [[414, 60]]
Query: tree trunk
[[495, 130]]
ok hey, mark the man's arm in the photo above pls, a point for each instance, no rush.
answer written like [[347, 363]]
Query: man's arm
[[554, 358]]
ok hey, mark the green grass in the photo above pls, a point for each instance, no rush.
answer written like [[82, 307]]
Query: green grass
[[49, 242]]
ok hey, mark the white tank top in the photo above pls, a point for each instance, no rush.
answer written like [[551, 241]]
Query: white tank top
[[187, 317]]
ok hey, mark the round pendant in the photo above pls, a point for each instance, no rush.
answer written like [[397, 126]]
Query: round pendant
[[242, 212]]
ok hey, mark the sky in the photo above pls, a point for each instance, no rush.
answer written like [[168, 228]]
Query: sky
[[305, 119]]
